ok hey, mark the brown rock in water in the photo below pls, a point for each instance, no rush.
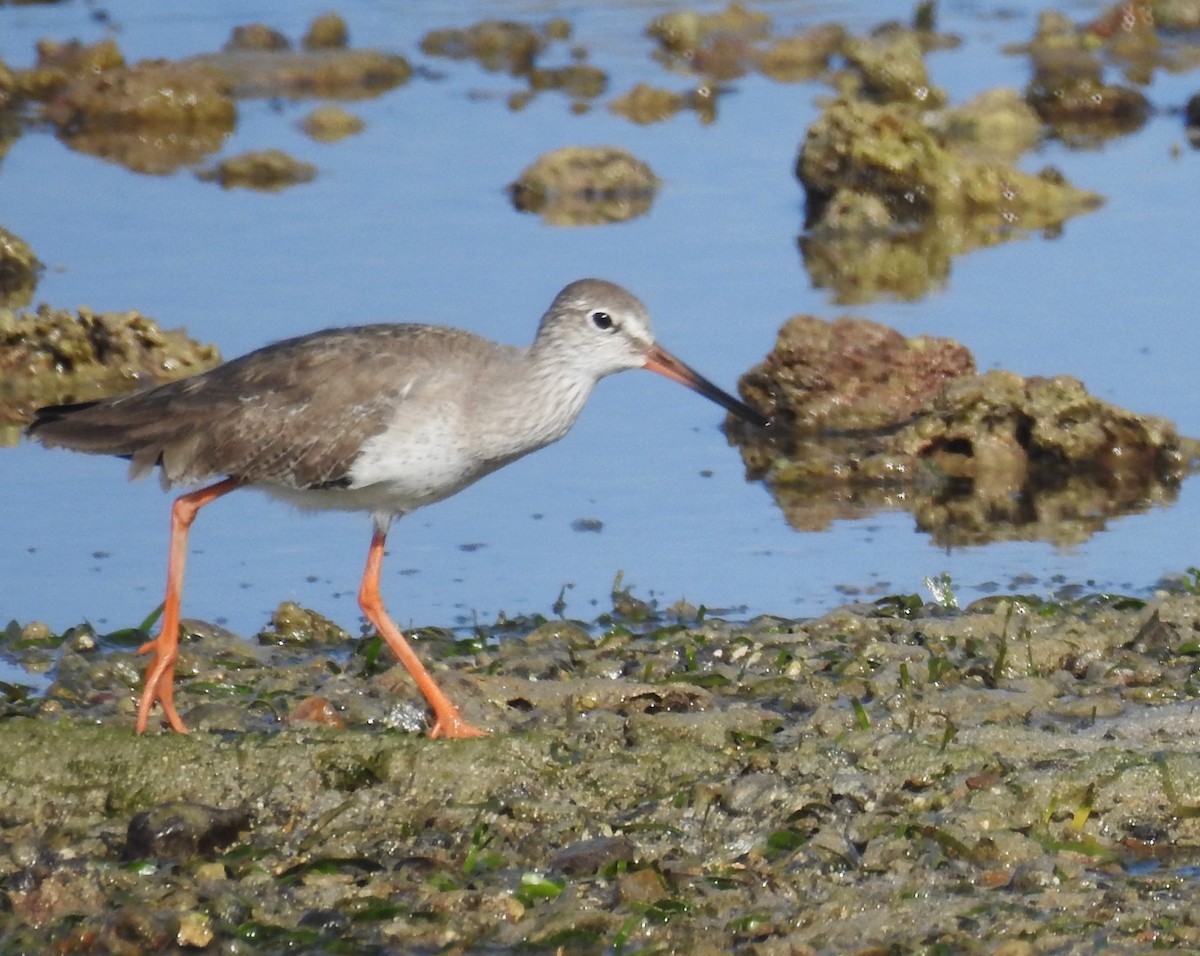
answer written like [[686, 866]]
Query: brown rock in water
[[890, 152], [156, 94], [645, 104], [1068, 88], [579, 80], [892, 69], [268, 170], [684, 32], [328, 124], [59, 64], [850, 373], [329, 73], [257, 36], [1069, 93], [579, 185], [799, 58], [327, 32], [498, 45], [866, 419], [19, 269], [892, 193], [152, 118]]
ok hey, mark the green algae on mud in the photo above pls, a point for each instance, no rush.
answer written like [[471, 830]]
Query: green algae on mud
[[887, 775]]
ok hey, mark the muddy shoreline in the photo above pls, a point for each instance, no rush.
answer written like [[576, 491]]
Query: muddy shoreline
[[1016, 777]]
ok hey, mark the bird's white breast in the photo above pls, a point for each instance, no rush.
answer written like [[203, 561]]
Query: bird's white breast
[[447, 431], [421, 457]]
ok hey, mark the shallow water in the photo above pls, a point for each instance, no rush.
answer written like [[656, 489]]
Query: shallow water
[[409, 221]]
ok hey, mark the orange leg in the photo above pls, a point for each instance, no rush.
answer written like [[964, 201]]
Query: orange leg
[[448, 722], [160, 675]]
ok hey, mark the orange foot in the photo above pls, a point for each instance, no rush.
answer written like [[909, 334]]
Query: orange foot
[[452, 726], [159, 685]]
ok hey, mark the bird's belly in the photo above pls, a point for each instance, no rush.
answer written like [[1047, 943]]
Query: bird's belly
[[385, 497], [397, 476], [424, 455]]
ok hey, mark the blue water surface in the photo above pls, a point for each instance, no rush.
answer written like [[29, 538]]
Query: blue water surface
[[410, 221]]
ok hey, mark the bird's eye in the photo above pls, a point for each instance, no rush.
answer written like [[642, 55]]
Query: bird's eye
[[602, 320]]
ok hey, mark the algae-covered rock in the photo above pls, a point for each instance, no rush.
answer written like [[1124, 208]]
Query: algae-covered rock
[[729, 43], [19, 270], [645, 104], [850, 374], [866, 419], [803, 56], [1176, 14], [256, 36], [328, 31], [517, 49], [892, 69], [718, 46], [328, 124], [293, 625], [269, 170], [866, 148], [497, 45], [158, 115], [9, 92], [580, 80], [1068, 88], [1191, 116], [930, 195], [152, 94], [60, 64], [685, 31], [51, 356], [579, 185], [888, 152], [153, 117], [996, 124], [332, 73]]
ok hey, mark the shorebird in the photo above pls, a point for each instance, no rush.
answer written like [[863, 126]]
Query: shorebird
[[377, 418]]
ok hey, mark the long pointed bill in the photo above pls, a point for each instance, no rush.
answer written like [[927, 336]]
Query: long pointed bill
[[660, 360]]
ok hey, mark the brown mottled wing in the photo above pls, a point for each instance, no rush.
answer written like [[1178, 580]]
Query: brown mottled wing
[[295, 413]]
